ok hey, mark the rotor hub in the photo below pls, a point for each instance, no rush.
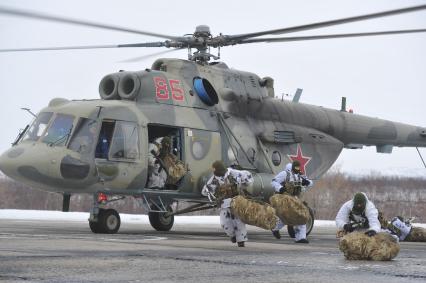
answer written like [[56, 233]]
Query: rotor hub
[[202, 31]]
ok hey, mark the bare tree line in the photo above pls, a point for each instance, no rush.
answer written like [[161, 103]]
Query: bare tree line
[[393, 195], [404, 196]]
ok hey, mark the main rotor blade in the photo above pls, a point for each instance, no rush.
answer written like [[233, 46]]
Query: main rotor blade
[[326, 23], [147, 44], [47, 17], [329, 36], [140, 58]]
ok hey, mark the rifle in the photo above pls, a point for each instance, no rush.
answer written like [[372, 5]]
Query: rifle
[[354, 225]]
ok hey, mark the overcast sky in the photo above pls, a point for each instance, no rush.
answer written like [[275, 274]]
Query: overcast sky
[[382, 77]]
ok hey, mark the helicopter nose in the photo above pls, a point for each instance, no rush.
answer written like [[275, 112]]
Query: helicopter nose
[[23, 163], [6, 164], [13, 160], [2, 163]]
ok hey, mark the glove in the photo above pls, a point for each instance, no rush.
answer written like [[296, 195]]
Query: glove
[[348, 228], [305, 182], [282, 190], [370, 233]]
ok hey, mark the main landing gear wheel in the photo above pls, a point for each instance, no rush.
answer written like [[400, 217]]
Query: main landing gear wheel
[[159, 222], [309, 225], [108, 222]]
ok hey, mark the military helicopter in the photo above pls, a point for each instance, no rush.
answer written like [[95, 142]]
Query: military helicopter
[[208, 110]]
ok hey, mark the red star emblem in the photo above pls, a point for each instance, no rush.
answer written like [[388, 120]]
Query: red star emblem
[[304, 160]]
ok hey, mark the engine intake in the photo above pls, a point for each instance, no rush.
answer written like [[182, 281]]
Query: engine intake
[[129, 86], [108, 87], [121, 85]]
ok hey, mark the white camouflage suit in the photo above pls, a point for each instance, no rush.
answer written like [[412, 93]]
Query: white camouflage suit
[[371, 214], [231, 224], [400, 229], [277, 183], [156, 174]]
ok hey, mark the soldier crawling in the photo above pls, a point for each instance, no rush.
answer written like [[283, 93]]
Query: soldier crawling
[[224, 185], [292, 182], [403, 229], [358, 214]]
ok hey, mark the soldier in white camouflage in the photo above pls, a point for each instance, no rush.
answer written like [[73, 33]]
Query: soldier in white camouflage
[[223, 186], [156, 173], [403, 229], [361, 236], [358, 214], [293, 182]]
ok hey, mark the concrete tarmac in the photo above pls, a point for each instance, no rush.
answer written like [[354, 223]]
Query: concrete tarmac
[[67, 251]]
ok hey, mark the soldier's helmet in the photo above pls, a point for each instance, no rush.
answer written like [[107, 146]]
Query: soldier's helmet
[[360, 201], [295, 166], [166, 143], [219, 168]]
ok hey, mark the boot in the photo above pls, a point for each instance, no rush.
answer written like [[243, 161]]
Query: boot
[[240, 244], [234, 239], [276, 234], [302, 241]]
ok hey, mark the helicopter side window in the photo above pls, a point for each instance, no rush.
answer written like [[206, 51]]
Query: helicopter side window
[[38, 126], [104, 140], [85, 136], [59, 131], [125, 141]]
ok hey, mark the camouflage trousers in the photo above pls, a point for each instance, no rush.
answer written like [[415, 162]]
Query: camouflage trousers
[[156, 178], [232, 225], [299, 230]]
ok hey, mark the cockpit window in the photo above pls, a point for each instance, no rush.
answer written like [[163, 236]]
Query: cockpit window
[[38, 126], [125, 141], [85, 136], [59, 131]]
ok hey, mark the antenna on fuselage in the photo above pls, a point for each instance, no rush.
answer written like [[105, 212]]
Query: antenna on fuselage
[[297, 95], [99, 111]]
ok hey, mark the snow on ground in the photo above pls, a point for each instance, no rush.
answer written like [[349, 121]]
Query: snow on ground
[[83, 216], [125, 218]]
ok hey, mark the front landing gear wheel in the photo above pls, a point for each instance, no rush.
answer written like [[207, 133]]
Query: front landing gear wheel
[[159, 222], [309, 225], [108, 222]]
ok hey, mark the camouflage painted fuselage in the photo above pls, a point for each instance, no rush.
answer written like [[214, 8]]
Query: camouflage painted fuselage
[[246, 126]]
